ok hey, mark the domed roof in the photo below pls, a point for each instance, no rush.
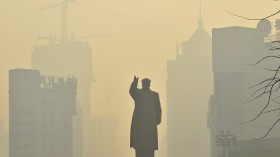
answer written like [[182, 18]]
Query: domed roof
[[264, 27]]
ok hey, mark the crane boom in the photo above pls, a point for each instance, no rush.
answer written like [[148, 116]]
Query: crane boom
[[64, 21], [51, 6]]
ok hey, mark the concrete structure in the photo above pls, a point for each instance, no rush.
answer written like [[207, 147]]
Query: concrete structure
[[260, 148], [41, 110], [78, 133], [2, 133], [4, 140], [71, 58], [104, 136], [233, 49], [189, 86]]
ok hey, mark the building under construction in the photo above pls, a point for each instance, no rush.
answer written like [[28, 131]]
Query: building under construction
[[66, 56], [71, 58], [41, 110]]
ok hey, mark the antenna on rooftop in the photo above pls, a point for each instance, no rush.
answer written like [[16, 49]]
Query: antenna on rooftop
[[200, 21]]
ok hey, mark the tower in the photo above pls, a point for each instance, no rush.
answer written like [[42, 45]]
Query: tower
[[70, 57], [230, 104], [41, 110], [189, 86]]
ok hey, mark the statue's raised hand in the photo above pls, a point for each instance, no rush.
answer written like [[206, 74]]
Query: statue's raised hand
[[135, 79]]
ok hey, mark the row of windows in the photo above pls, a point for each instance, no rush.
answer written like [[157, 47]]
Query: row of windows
[[43, 122], [52, 147], [42, 147], [23, 135], [20, 146]]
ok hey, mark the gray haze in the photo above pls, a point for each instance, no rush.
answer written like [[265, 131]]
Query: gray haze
[[201, 76]]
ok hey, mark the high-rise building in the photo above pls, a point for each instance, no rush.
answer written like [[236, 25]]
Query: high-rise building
[[41, 110], [234, 48], [71, 58], [104, 136], [2, 132], [78, 133], [189, 86], [3, 140]]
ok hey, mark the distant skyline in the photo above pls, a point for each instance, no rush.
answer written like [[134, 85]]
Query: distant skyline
[[145, 34], [130, 21]]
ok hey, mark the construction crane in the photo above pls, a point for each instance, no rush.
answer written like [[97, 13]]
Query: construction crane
[[64, 5]]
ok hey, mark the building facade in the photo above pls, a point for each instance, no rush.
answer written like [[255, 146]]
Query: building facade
[[234, 49], [104, 136], [71, 58], [4, 140], [41, 110], [189, 86]]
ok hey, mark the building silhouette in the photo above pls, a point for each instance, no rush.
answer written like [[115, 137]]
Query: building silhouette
[[189, 86], [78, 133], [233, 49], [104, 136], [2, 132], [4, 139], [41, 111], [71, 58]]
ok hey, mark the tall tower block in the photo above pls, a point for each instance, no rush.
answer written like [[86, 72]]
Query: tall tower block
[[189, 86], [41, 111], [3, 140], [71, 58]]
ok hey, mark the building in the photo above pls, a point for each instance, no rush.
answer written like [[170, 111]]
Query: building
[[78, 133], [104, 136], [3, 140], [233, 49], [41, 110], [71, 58], [260, 148], [189, 86]]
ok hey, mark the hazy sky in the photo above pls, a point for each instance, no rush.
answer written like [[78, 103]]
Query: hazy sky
[[144, 35]]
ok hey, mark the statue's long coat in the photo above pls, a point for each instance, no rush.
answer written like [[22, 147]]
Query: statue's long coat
[[146, 117]]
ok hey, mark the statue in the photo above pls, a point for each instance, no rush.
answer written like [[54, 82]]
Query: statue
[[146, 117]]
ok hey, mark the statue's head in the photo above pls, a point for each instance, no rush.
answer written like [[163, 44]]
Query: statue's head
[[146, 83]]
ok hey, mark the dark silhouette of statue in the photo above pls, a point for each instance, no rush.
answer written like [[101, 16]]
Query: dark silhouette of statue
[[146, 117]]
